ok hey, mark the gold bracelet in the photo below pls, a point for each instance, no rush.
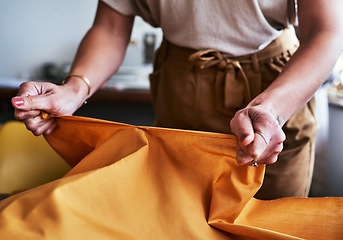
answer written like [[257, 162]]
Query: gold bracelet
[[83, 78]]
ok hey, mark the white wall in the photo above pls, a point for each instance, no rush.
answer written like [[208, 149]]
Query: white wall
[[33, 32], [38, 31]]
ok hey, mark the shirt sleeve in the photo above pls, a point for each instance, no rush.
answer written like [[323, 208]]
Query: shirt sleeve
[[126, 7], [148, 10]]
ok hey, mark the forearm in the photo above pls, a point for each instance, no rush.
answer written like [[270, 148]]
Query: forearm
[[321, 43], [98, 58], [101, 51], [303, 75]]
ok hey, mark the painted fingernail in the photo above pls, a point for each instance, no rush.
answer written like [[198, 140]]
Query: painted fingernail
[[18, 101]]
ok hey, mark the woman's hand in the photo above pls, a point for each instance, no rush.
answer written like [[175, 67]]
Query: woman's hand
[[35, 97], [260, 138], [103, 47], [321, 43]]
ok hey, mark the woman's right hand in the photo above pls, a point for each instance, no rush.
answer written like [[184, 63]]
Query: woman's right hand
[[260, 137], [35, 97]]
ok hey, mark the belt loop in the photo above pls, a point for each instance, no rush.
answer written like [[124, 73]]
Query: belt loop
[[255, 63]]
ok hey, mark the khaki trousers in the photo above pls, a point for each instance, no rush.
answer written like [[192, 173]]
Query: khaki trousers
[[202, 90]]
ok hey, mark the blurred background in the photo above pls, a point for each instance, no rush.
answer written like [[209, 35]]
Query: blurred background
[[43, 35], [38, 41]]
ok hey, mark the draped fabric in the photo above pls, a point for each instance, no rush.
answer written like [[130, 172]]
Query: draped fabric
[[130, 182]]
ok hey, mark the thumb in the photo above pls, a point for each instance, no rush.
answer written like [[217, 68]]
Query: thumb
[[28, 103], [243, 129], [246, 137]]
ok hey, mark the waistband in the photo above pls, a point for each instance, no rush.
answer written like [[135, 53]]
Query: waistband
[[233, 67], [287, 42]]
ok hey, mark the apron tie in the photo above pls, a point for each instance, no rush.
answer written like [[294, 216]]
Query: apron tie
[[230, 89]]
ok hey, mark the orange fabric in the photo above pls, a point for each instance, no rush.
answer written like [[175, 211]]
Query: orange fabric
[[151, 183]]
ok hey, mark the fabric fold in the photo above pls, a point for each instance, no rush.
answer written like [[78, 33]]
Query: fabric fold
[[131, 182]]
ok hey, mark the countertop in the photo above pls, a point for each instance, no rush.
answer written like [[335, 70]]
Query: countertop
[[113, 92]]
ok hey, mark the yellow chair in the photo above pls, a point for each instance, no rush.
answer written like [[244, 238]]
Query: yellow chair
[[26, 161]]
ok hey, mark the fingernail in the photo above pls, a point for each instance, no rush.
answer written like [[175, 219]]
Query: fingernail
[[243, 136], [18, 101]]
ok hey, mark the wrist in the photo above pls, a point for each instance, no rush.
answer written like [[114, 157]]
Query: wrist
[[78, 84], [268, 106]]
